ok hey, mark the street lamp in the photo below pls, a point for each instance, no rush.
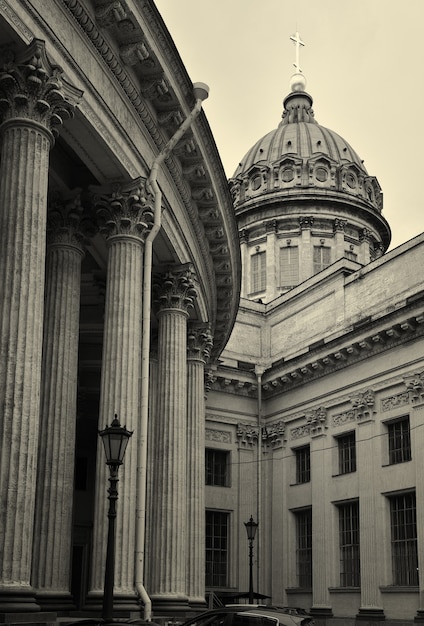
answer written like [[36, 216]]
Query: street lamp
[[115, 439], [251, 528]]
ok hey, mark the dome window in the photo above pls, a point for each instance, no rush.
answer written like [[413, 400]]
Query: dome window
[[321, 174], [351, 180], [287, 175], [256, 183]]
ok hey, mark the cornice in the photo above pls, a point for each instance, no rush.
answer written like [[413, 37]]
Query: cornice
[[321, 359], [144, 83]]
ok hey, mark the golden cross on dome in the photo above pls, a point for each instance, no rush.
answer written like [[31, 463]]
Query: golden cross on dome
[[298, 43]]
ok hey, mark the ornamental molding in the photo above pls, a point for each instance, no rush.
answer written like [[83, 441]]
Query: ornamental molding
[[218, 436], [300, 371], [13, 19], [362, 408]]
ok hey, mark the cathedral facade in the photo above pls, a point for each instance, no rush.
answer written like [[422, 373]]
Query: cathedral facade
[[255, 335]]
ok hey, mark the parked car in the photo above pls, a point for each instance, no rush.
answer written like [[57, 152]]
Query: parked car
[[249, 615]]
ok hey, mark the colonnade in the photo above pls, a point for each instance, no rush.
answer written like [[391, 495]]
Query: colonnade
[[41, 251]]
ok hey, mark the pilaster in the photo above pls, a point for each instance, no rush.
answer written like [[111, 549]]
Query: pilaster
[[125, 218], [322, 533], [306, 264], [369, 522], [35, 100]]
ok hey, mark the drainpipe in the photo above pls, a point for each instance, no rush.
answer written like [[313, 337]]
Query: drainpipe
[[201, 92], [259, 370]]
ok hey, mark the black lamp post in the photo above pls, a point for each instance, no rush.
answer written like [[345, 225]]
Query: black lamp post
[[115, 439], [251, 528]]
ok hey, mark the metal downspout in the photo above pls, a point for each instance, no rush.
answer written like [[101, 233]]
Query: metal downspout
[[201, 92]]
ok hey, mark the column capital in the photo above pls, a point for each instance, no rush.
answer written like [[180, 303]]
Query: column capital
[[199, 342], [34, 90], [174, 289], [68, 222], [124, 209]]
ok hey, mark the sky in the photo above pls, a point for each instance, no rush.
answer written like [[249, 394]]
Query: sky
[[364, 66]]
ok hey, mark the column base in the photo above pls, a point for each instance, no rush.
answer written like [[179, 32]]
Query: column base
[[18, 600], [124, 605], [170, 605], [419, 617], [371, 614], [55, 601]]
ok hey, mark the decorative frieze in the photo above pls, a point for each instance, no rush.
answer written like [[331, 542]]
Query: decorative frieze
[[395, 401], [300, 431], [218, 436]]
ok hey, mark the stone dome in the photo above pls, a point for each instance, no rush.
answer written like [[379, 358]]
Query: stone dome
[[302, 154], [303, 201]]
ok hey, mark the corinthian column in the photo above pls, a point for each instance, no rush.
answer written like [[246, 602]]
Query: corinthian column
[[126, 220], [34, 101], [199, 344], [168, 553], [56, 449]]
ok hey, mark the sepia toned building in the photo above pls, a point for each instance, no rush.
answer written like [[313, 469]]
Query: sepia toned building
[[257, 337]]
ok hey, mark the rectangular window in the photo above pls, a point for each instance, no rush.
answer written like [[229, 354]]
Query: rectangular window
[[399, 441], [217, 467], [303, 464], [347, 453], [258, 272], [304, 548], [322, 258], [216, 548], [289, 266], [349, 544], [403, 521]]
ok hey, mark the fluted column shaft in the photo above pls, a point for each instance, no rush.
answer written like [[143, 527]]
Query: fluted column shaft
[[168, 586], [126, 222], [55, 473], [29, 109], [199, 345]]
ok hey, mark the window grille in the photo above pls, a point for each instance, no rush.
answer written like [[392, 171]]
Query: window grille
[[403, 518], [258, 272], [322, 258], [289, 266], [347, 453], [399, 441], [303, 465], [217, 467], [304, 548], [349, 544], [217, 523]]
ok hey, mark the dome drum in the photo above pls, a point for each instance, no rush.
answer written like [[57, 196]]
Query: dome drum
[[319, 172]]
